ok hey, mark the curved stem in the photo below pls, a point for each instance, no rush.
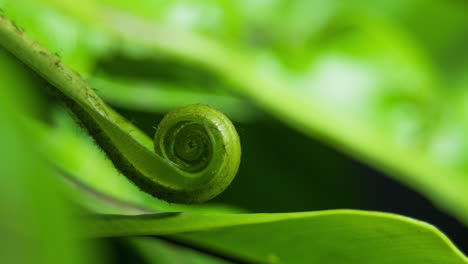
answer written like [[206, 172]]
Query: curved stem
[[129, 148]]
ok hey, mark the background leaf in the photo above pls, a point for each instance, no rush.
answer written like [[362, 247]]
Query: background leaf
[[27, 190], [341, 236]]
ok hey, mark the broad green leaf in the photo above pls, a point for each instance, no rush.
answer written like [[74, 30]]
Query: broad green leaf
[[36, 224], [337, 236]]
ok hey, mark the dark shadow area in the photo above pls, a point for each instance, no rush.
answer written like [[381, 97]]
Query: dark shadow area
[[121, 253]]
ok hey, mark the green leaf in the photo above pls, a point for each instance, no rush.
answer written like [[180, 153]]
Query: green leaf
[[163, 97], [336, 236], [36, 223]]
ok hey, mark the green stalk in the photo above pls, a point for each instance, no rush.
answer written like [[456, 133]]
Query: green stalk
[[198, 147]]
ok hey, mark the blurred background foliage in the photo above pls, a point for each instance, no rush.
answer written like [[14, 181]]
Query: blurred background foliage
[[339, 104]]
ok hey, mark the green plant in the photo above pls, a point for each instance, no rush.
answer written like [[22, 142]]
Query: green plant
[[402, 131]]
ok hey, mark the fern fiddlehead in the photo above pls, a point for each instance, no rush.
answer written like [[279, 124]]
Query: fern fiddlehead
[[196, 148]]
